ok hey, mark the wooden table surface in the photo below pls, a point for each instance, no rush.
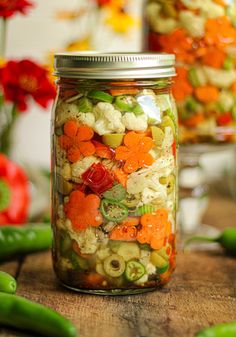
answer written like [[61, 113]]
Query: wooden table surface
[[202, 292]]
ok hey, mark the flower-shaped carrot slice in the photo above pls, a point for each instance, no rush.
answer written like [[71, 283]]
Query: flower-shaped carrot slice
[[77, 140], [135, 152], [155, 228], [83, 211]]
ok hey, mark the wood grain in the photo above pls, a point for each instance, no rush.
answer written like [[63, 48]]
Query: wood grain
[[202, 292]]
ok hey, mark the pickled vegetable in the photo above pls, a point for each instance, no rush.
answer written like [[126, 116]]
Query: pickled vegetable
[[114, 265], [202, 36], [115, 187], [113, 140], [134, 270]]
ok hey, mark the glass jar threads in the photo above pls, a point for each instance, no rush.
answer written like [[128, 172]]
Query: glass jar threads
[[114, 167]]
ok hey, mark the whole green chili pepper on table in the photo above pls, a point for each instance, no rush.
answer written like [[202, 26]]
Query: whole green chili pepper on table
[[7, 283], [227, 240], [20, 313], [16, 241], [221, 330]]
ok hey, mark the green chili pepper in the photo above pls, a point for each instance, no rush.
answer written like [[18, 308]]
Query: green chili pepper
[[113, 210], [16, 241], [7, 283], [228, 63], [221, 330], [193, 77], [227, 239], [128, 104], [20, 313], [116, 193], [100, 96], [85, 105], [134, 270], [144, 209]]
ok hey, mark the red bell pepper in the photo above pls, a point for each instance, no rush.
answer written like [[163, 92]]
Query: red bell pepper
[[224, 119], [14, 193], [98, 178]]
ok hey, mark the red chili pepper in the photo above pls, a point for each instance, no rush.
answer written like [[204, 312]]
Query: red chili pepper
[[174, 145], [98, 178], [14, 193], [224, 119]]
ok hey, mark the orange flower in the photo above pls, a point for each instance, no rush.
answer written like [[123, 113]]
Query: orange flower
[[181, 87], [179, 43], [83, 211], [220, 32], [76, 140], [135, 152], [155, 229]]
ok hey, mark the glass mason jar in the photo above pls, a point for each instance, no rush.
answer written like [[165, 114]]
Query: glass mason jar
[[114, 167], [202, 35]]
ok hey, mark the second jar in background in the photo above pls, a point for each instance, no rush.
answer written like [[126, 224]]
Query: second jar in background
[[202, 35]]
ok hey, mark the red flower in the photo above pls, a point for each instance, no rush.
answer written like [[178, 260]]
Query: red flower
[[103, 2], [23, 79], [10, 7], [14, 193]]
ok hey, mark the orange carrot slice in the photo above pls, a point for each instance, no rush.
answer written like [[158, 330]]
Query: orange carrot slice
[[86, 148], [207, 94], [121, 176], [131, 221], [73, 154], [123, 233], [70, 128], [65, 142], [124, 91], [194, 120], [84, 133]]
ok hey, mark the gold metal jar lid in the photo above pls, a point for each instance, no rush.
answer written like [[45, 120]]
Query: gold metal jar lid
[[95, 65]]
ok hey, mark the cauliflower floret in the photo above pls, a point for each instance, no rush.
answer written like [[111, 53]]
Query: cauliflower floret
[[60, 154], [168, 140], [144, 256], [87, 240], [108, 119], [103, 253], [150, 270], [152, 11], [211, 10], [149, 194], [87, 118], [64, 263], [135, 123], [146, 181], [163, 101], [220, 78], [79, 167], [61, 213], [194, 24], [60, 224], [65, 111], [208, 8], [163, 25], [65, 172], [226, 100]]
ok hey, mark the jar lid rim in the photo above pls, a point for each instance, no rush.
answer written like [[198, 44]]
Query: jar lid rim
[[98, 65]]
